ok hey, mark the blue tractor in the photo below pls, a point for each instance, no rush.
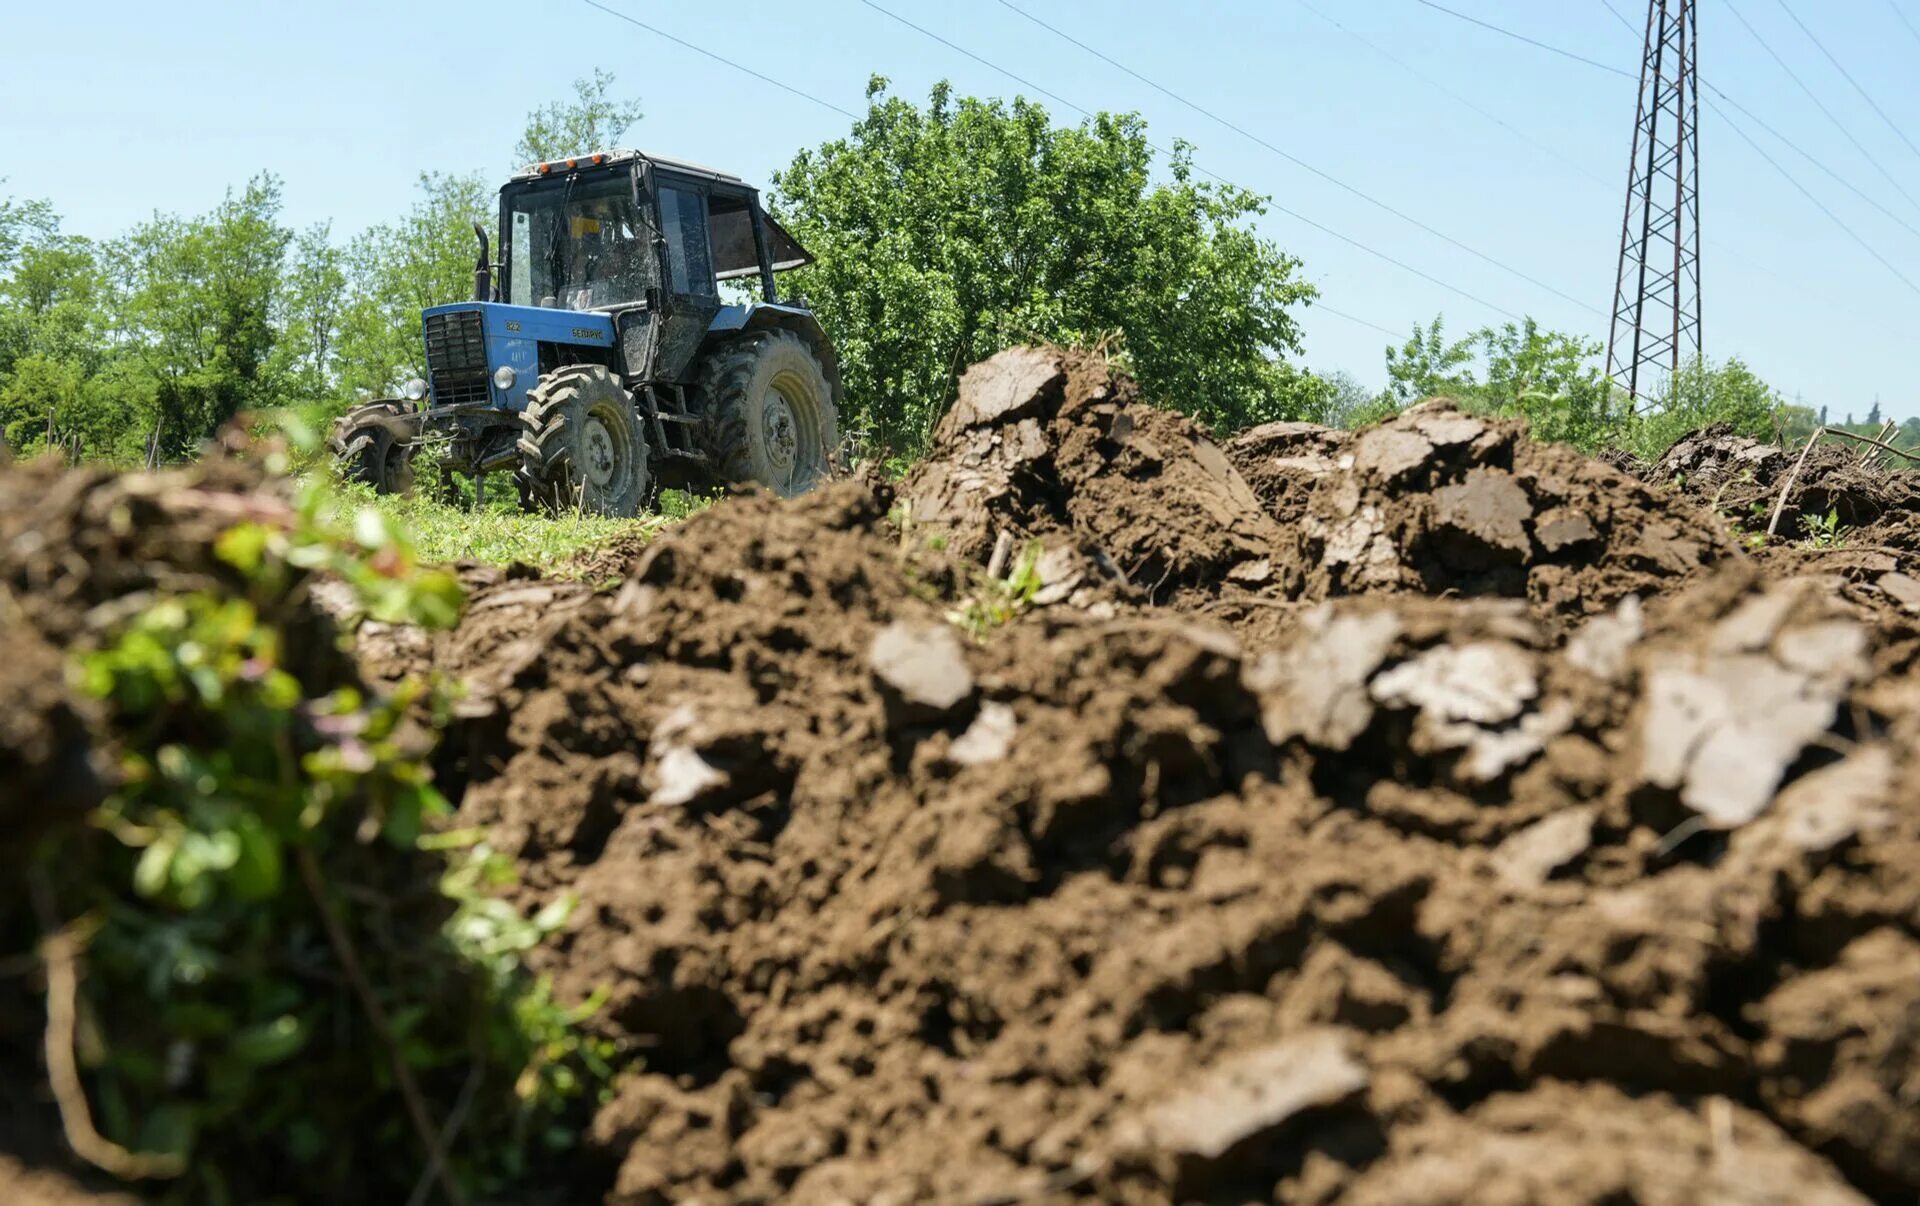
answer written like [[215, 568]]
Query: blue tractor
[[605, 355]]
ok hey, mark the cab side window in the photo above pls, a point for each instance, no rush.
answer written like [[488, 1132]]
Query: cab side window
[[683, 214]]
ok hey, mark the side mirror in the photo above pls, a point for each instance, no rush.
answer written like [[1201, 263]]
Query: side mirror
[[483, 267]]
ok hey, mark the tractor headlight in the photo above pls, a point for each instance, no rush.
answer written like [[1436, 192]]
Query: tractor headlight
[[503, 377], [415, 390]]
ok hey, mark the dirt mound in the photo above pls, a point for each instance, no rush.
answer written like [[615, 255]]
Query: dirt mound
[[1419, 896], [1742, 478], [1045, 443], [1048, 444], [1435, 501]]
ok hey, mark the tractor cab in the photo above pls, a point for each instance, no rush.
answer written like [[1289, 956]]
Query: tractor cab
[[617, 229]]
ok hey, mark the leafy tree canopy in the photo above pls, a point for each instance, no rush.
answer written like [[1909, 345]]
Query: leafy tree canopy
[[592, 121], [948, 232]]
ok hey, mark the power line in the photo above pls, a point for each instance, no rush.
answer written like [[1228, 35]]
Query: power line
[[1790, 178], [1867, 247], [1520, 37], [1775, 164], [1837, 123], [1294, 214], [805, 95], [701, 50], [1491, 116], [1296, 160], [1354, 318], [1904, 20], [1848, 76], [1791, 145]]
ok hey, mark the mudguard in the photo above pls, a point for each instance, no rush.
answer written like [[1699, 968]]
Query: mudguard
[[777, 316]]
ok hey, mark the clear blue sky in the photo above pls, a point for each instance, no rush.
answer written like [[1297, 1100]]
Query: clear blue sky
[[348, 100]]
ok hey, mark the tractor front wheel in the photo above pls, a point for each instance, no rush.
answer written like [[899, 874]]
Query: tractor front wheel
[[770, 413], [373, 443], [581, 444]]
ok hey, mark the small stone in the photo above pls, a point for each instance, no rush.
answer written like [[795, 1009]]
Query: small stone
[[1255, 1092], [1252, 573], [1060, 575], [1486, 682], [1529, 857], [1902, 589], [988, 738], [924, 665], [1317, 688], [1831, 805], [682, 776], [1724, 733], [1600, 648]]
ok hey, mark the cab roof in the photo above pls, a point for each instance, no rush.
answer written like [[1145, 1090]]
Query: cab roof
[[625, 155]]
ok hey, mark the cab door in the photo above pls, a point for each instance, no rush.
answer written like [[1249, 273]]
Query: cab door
[[692, 295]]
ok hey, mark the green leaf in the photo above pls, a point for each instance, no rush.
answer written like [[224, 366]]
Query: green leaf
[[243, 546], [154, 869], [256, 872], [555, 913], [269, 1042]]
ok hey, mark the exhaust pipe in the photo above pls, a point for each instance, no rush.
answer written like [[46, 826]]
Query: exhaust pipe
[[483, 267]]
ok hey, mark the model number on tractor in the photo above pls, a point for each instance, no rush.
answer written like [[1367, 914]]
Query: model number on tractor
[[585, 333]]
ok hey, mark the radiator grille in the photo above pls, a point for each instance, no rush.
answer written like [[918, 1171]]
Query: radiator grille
[[456, 358]]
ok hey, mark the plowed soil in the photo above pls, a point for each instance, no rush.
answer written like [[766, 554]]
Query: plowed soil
[[1417, 815], [1411, 816]]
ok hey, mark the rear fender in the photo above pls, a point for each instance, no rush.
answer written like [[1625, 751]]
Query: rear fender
[[734, 321]]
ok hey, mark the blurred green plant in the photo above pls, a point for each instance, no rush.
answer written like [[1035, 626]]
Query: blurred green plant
[[994, 602], [291, 979], [1826, 531]]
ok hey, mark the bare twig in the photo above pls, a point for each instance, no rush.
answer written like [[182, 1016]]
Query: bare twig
[[1880, 444], [1869, 455], [343, 950], [456, 1118], [1786, 487], [61, 950], [1002, 550]]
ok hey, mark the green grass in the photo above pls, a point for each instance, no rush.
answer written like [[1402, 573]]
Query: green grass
[[500, 533]]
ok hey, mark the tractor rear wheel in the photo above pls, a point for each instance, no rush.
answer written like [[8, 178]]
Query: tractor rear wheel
[[582, 446], [374, 443], [771, 413]]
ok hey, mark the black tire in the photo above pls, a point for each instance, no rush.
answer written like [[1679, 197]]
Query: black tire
[[374, 443], [582, 446], [771, 417]]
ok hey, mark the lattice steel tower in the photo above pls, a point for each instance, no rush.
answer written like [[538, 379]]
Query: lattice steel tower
[[1656, 294]]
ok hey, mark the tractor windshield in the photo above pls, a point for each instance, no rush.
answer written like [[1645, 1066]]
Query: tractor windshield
[[577, 244]]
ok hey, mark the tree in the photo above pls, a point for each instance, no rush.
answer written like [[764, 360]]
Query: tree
[[1552, 380], [398, 269], [199, 298], [1549, 378], [23, 223], [591, 121], [1702, 393], [1427, 365], [1349, 403], [310, 306], [51, 341], [946, 233]]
